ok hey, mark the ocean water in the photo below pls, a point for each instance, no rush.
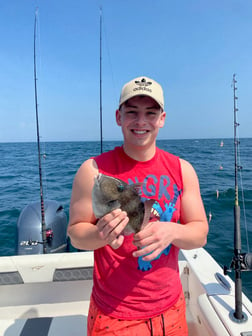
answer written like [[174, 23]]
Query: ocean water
[[214, 164]]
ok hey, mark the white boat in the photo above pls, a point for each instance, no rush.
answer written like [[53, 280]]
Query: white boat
[[48, 295]]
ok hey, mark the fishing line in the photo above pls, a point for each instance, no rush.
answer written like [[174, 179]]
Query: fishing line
[[221, 158], [39, 71], [44, 156], [242, 192], [110, 63], [215, 199], [238, 158], [42, 207], [115, 87]]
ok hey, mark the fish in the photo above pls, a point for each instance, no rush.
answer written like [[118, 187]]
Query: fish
[[110, 193]]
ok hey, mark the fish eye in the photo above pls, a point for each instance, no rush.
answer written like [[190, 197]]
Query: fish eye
[[120, 188]]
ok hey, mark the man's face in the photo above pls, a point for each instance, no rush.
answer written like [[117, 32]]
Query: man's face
[[140, 118]]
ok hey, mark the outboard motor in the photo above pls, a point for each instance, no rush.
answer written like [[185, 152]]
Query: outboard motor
[[29, 229]]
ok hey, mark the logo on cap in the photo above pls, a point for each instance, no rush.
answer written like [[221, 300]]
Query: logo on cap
[[142, 85], [143, 82]]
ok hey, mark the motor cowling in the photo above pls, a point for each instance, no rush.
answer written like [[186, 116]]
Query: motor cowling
[[29, 229]]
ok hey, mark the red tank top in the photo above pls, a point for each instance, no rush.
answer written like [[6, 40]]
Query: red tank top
[[128, 287]]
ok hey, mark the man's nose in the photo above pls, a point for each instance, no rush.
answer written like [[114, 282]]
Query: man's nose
[[140, 118]]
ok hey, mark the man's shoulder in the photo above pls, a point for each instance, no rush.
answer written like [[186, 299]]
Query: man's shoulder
[[108, 155], [167, 154]]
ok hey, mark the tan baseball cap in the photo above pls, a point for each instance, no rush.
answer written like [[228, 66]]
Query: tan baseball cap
[[142, 86]]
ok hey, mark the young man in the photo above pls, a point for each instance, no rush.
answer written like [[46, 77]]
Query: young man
[[137, 288]]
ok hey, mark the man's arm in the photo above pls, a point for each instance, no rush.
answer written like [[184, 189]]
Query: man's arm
[[83, 230], [194, 233]]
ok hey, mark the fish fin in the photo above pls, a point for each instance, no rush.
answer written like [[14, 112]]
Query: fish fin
[[147, 212]]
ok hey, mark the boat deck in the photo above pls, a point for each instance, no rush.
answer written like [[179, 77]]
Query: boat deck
[[65, 325], [39, 298], [48, 295]]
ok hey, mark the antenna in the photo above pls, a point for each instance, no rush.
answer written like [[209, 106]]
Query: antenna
[[38, 143]]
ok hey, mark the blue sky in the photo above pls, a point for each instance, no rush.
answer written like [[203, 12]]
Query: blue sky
[[192, 47]]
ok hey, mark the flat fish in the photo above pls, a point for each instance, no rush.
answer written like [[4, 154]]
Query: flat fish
[[110, 193]]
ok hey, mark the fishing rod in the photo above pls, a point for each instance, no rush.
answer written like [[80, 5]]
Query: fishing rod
[[42, 208], [101, 136], [241, 261]]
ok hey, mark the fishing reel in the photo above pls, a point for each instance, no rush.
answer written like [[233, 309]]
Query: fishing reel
[[241, 262]]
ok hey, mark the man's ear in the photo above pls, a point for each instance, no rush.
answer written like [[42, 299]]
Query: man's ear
[[118, 118], [162, 119]]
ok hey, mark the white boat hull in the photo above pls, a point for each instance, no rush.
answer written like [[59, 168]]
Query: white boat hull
[[50, 294]]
